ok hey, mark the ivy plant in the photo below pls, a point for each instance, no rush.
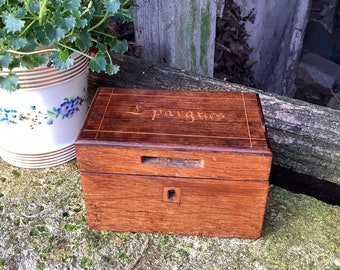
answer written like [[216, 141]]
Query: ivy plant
[[37, 32]]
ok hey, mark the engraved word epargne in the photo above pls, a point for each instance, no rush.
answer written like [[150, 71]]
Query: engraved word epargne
[[189, 115]]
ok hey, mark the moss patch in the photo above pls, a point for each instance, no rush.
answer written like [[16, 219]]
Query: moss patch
[[43, 226], [205, 34]]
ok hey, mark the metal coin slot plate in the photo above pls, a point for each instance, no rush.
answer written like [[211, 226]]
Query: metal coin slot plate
[[173, 162]]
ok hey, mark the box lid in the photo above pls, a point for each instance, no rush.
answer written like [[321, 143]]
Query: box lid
[[187, 134], [197, 120]]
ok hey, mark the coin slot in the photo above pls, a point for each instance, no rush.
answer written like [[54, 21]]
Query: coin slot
[[173, 162]]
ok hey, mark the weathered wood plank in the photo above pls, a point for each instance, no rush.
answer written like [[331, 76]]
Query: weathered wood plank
[[304, 137], [178, 33]]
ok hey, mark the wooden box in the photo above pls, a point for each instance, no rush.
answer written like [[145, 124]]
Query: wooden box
[[177, 162]]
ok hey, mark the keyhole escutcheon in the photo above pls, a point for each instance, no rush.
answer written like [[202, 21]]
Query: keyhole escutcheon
[[172, 194]]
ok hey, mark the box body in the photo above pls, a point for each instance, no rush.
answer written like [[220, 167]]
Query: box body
[[181, 162]]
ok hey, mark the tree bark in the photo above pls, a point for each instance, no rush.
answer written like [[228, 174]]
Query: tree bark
[[304, 137]]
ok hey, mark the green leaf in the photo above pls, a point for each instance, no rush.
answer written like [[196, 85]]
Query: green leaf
[[10, 82], [81, 23], [34, 6], [64, 55], [41, 36], [49, 34], [84, 41], [5, 60], [71, 38], [110, 39], [72, 4], [57, 35], [112, 6], [2, 33], [120, 46], [86, 12], [57, 4], [17, 43], [125, 15], [29, 46], [102, 47], [12, 24], [20, 12], [33, 60], [111, 69], [14, 63], [59, 62], [98, 63], [2, 2], [66, 23]]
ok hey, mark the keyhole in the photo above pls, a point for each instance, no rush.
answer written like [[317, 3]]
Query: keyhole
[[171, 194]]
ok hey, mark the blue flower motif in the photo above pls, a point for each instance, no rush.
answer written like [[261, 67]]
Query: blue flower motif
[[76, 101], [6, 115], [67, 109], [64, 107], [71, 112]]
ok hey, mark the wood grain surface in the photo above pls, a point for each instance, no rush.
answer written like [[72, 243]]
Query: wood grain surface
[[203, 206], [175, 162], [163, 118]]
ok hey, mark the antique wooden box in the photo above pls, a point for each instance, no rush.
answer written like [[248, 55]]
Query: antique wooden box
[[182, 162]]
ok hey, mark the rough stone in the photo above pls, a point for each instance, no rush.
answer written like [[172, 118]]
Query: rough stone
[[334, 102], [317, 80], [322, 71], [309, 91]]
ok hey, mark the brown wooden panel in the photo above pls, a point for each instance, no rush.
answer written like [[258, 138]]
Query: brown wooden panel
[[175, 118], [228, 165], [175, 162], [198, 207]]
